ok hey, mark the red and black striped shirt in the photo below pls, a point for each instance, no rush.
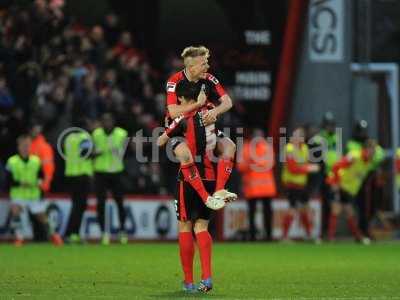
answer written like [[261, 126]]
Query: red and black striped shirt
[[201, 140]]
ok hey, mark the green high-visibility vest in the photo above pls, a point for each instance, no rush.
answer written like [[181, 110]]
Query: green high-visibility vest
[[331, 156], [353, 145], [351, 178], [25, 172], [76, 162], [301, 157], [379, 154], [111, 150]]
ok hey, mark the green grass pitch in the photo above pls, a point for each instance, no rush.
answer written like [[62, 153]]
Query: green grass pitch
[[241, 271]]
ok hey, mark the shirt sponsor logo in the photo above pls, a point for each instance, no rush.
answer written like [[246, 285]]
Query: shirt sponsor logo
[[171, 87]]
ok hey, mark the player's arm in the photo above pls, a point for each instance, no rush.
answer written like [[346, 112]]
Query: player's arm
[[176, 128], [225, 102], [344, 163], [224, 106], [176, 110], [162, 139]]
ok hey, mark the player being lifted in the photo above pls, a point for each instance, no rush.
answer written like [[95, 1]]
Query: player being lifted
[[191, 211], [196, 66]]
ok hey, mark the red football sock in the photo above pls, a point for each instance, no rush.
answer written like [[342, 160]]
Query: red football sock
[[192, 176], [204, 242], [224, 171], [332, 226], [305, 220], [186, 251], [287, 222], [351, 222]]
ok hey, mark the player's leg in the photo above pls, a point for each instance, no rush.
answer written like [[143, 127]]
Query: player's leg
[[184, 206], [305, 218], [101, 195], [288, 216], [186, 252], [226, 150], [336, 208], [305, 213], [118, 194], [352, 222], [192, 176], [204, 242], [16, 224], [38, 209]]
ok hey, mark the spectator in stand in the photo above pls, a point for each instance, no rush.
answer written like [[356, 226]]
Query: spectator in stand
[[6, 99], [112, 28]]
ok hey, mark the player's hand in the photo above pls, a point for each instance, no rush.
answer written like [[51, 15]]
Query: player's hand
[[313, 168], [210, 117], [202, 97]]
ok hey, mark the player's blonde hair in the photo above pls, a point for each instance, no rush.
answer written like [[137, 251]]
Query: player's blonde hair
[[192, 52]]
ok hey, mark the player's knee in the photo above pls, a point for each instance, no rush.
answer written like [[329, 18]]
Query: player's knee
[[185, 226], [335, 208], [228, 147], [231, 146], [183, 154], [349, 211], [200, 225]]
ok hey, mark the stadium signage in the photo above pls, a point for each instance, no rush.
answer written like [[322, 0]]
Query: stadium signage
[[146, 219], [326, 30], [258, 37], [252, 85]]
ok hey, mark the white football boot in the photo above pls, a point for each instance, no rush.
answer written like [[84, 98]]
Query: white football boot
[[215, 203], [226, 195]]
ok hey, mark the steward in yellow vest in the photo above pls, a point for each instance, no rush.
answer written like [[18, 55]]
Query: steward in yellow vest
[[25, 182], [294, 177], [330, 140], [110, 143], [359, 137], [78, 150], [347, 178]]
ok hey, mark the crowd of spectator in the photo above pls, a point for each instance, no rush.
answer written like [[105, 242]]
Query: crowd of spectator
[[56, 69]]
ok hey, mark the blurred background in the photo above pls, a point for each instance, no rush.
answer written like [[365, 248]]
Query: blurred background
[[284, 63]]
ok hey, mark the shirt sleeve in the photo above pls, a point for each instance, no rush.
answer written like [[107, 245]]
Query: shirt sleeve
[[216, 87], [344, 163], [171, 94], [177, 127]]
